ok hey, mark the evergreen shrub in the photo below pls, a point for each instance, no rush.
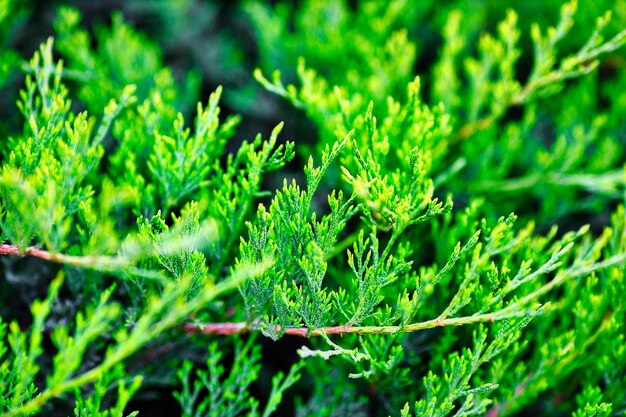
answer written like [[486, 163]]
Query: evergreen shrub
[[442, 234]]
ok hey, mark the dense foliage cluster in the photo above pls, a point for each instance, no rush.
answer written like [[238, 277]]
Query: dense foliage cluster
[[444, 234]]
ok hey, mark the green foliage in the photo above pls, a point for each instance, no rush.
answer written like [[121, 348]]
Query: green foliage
[[166, 229], [11, 12], [46, 172], [477, 92], [122, 56], [230, 396]]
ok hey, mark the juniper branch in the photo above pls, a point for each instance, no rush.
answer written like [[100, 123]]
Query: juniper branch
[[228, 329], [519, 308], [570, 355], [584, 62], [149, 326], [606, 182], [125, 261]]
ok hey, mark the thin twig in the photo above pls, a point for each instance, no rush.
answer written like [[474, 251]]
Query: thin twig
[[86, 261], [231, 328], [6, 249], [102, 263]]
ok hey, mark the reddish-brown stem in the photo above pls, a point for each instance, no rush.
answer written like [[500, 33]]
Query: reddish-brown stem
[[6, 249], [230, 328], [88, 261], [217, 328]]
